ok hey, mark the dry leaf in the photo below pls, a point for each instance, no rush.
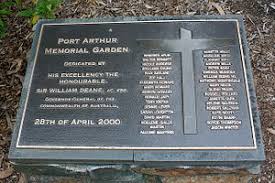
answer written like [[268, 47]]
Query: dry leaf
[[6, 173], [260, 34], [93, 2], [148, 6], [191, 13], [18, 62], [101, 3], [115, 9], [218, 7], [271, 130], [22, 179], [8, 119]]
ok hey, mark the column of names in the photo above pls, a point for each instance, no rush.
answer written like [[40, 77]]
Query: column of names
[[156, 92], [221, 93]]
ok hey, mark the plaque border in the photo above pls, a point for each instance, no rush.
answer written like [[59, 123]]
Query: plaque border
[[132, 147]]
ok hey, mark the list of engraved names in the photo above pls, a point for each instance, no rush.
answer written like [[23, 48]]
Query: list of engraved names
[[221, 93], [156, 91]]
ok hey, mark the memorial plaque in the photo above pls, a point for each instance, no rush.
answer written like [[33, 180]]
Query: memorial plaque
[[175, 85]]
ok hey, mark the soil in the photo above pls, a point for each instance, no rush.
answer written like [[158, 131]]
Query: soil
[[260, 25]]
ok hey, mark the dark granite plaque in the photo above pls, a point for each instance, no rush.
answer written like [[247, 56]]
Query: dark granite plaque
[[127, 86]]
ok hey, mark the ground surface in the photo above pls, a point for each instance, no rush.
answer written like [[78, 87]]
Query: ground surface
[[260, 25]]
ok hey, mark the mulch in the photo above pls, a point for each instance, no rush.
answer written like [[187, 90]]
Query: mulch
[[260, 26]]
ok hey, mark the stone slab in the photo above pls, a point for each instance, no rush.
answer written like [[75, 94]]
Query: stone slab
[[191, 44]]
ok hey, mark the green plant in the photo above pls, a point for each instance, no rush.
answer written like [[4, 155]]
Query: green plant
[[5, 9], [40, 9]]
